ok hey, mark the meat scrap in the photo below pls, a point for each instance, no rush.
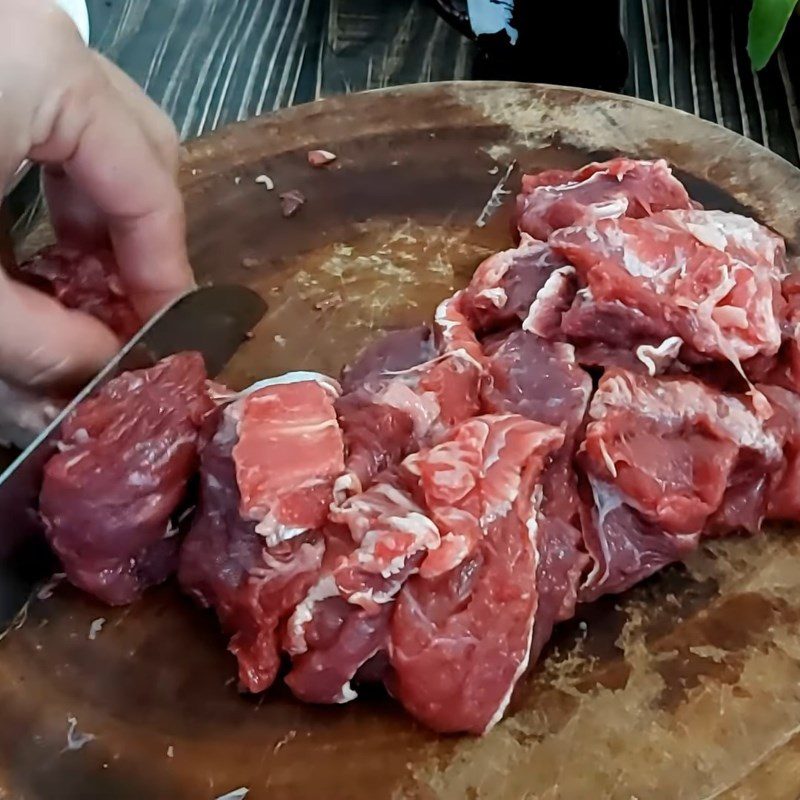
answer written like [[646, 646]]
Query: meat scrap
[[622, 187], [291, 202], [84, 281], [320, 158], [125, 458]]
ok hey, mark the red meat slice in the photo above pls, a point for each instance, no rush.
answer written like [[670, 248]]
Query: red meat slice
[[661, 455], [685, 271], [84, 281], [288, 455], [541, 381], [784, 483], [125, 457], [226, 565], [618, 188], [623, 547], [473, 478], [462, 638], [342, 623], [669, 445], [506, 284], [395, 413], [394, 352]]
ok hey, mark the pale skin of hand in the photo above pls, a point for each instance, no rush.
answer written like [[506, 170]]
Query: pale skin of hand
[[110, 159]]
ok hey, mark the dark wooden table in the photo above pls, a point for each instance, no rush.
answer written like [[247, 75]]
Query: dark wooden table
[[209, 62]]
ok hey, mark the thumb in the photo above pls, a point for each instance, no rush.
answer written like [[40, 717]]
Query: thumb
[[46, 346]]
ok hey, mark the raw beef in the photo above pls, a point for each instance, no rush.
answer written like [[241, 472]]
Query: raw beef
[[506, 284], [394, 413], [783, 496], [226, 565], [660, 455], [126, 456], [541, 381], [87, 282], [710, 278], [461, 638], [342, 623], [428, 524], [619, 188], [379, 434], [288, 455], [393, 352]]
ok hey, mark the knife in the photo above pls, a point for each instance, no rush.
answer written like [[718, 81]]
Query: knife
[[213, 320]]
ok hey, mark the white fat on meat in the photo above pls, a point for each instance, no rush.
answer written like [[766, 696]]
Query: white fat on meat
[[325, 381], [724, 230], [496, 296], [658, 357], [303, 613], [673, 401], [372, 518], [361, 511], [550, 301], [423, 408], [346, 485], [607, 498]]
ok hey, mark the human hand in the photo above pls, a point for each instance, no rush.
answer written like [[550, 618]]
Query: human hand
[[109, 158]]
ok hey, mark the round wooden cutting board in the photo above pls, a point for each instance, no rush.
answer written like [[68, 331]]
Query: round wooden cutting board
[[684, 689]]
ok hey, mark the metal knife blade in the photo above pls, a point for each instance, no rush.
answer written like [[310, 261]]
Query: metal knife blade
[[213, 320]]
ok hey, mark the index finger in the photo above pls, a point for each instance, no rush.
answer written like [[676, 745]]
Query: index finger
[[100, 144]]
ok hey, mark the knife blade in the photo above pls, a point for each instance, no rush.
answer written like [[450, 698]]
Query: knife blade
[[213, 320]]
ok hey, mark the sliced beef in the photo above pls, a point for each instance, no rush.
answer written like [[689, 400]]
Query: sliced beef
[[394, 412], [667, 459], [542, 381], [710, 278], [506, 284], [289, 453], [88, 282], [226, 565], [621, 187], [126, 456], [461, 637], [342, 622]]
